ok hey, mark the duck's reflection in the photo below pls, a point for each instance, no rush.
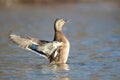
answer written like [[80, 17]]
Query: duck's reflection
[[61, 71], [58, 71], [59, 67]]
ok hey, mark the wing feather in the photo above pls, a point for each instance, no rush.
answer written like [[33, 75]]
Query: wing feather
[[41, 47]]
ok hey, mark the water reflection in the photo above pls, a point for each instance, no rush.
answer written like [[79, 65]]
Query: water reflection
[[61, 71], [58, 71], [60, 67]]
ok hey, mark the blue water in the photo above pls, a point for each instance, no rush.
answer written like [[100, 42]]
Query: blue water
[[93, 31]]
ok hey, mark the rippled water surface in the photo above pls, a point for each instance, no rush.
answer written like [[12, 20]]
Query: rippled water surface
[[93, 31]]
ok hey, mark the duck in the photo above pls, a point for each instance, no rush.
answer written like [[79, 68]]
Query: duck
[[56, 51]]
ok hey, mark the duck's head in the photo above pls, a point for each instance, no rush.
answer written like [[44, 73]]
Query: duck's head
[[59, 23]]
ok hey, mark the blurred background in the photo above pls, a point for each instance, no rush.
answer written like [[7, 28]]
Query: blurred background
[[93, 31], [44, 2]]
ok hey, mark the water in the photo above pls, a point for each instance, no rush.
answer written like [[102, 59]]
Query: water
[[93, 31]]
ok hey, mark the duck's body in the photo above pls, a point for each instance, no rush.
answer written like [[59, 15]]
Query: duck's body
[[56, 51], [63, 50]]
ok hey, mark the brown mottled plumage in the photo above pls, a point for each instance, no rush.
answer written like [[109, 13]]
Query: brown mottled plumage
[[56, 51]]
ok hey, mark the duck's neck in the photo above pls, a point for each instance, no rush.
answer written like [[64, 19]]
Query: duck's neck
[[59, 36]]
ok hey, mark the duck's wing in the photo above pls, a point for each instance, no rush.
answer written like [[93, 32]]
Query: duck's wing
[[40, 47], [45, 49]]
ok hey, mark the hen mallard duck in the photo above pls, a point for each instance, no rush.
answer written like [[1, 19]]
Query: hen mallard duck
[[56, 51]]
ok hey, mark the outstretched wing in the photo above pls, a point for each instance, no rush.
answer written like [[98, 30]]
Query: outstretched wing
[[41, 47]]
